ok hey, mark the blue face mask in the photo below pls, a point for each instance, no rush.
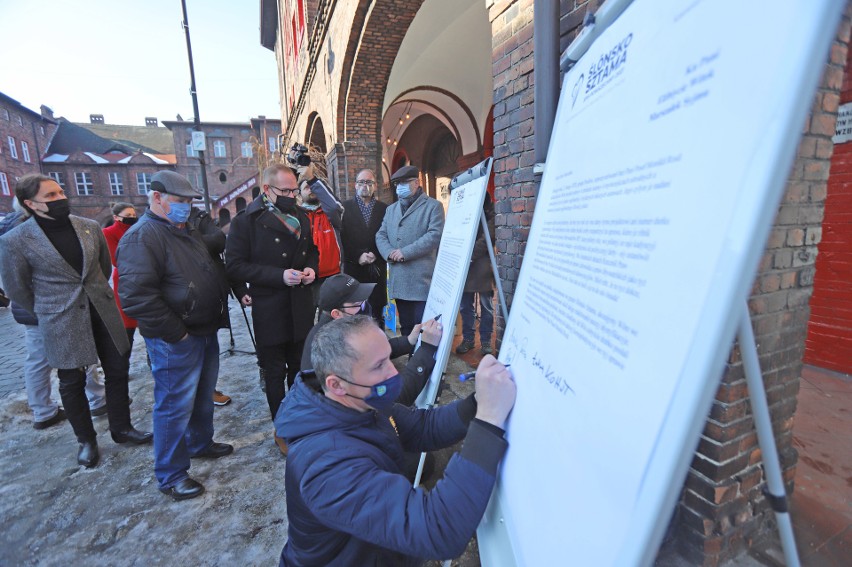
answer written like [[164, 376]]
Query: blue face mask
[[382, 395], [403, 190], [178, 212]]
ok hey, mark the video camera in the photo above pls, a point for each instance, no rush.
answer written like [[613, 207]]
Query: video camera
[[298, 156]]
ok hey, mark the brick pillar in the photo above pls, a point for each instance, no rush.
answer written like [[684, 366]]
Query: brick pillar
[[723, 510], [514, 183], [345, 160]]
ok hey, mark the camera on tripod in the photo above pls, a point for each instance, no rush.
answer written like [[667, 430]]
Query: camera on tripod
[[298, 156]]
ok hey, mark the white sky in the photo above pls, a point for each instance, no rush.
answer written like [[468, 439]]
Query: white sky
[[128, 60]]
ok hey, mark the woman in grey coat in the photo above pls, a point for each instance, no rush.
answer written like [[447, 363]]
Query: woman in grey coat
[[55, 265]]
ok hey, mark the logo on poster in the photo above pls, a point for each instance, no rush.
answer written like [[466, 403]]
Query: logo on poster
[[608, 66], [576, 90], [459, 194]]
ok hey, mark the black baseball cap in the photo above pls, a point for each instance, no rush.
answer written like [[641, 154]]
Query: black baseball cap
[[341, 288]]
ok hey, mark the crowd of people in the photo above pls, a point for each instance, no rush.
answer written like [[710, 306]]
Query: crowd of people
[[317, 274]]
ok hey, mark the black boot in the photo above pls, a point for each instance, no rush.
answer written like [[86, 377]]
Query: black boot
[[88, 454], [132, 435]]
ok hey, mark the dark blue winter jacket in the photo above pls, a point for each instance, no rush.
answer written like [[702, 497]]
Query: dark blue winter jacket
[[348, 502]]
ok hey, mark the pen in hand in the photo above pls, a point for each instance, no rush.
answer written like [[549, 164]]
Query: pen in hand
[[471, 375], [437, 317]]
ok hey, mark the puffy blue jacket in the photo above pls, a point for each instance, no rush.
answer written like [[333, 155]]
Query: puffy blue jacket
[[348, 502]]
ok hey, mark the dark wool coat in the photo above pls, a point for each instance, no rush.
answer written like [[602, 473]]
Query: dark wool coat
[[359, 237], [258, 251], [480, 275], [39, 279]]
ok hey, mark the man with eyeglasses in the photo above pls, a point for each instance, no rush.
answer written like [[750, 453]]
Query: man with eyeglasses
[[362, 218], [324, 212], [270, 247], [344, 296]]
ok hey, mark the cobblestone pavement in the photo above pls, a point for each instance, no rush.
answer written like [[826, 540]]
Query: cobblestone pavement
[[54, 512], [12, 354]]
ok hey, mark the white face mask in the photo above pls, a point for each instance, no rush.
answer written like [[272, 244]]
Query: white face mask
[[403, 190]]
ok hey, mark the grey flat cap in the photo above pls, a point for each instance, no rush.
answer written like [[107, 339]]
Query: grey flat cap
[[173, 184], [405, 172]]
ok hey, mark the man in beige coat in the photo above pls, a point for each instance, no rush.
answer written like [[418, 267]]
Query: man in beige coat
[[55, 265]]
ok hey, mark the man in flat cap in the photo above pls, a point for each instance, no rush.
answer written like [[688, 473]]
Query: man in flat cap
[[408, 240], [169, 283]]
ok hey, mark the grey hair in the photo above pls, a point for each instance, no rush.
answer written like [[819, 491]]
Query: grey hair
[[331, 351]]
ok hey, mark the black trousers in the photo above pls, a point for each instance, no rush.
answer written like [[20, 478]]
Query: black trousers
[[279, 364], [72, 386], [410, 313]]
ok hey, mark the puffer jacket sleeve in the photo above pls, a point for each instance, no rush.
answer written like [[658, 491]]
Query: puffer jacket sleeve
[[140, 271], [348, 492]]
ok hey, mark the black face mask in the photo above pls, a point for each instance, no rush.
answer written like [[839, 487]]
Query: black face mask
[[129, 221], [285, 203], [58, 210]]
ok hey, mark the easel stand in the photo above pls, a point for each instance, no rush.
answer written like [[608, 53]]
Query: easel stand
[[766, 440]]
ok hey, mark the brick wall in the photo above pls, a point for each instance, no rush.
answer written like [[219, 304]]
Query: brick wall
[[24, 126], [514, 183], [829, 343], [97, 205]]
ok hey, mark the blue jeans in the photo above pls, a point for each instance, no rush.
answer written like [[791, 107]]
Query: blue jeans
[[486, 316], [185, 375]]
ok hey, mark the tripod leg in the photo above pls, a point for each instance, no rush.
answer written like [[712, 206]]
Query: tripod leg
[[763, 423]]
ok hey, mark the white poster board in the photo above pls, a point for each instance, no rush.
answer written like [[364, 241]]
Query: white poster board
[[674, 136], [448, 278]]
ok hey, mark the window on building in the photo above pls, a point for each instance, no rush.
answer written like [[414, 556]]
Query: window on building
[[190, 152], [5, 114], [246, 149], [57, 177], [194, 180], [13, 149], [41, 129], [25, 150], [19, 120], [84, 183], [143, 183], [116, 185], [219, 149], [4, 184], [273, 143]]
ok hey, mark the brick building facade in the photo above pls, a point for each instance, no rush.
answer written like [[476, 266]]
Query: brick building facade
[[235, 154], [24, 137], [351, 84], [99, 164]]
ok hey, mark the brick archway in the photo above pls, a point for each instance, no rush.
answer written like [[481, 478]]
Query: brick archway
[[378, 29], [377, 32]]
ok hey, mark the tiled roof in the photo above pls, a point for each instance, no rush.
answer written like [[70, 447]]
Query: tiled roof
[[102, 138]]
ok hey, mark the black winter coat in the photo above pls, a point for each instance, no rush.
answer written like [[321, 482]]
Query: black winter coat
[[168, 281], [258, 251], [359, 237], [480, 276]]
